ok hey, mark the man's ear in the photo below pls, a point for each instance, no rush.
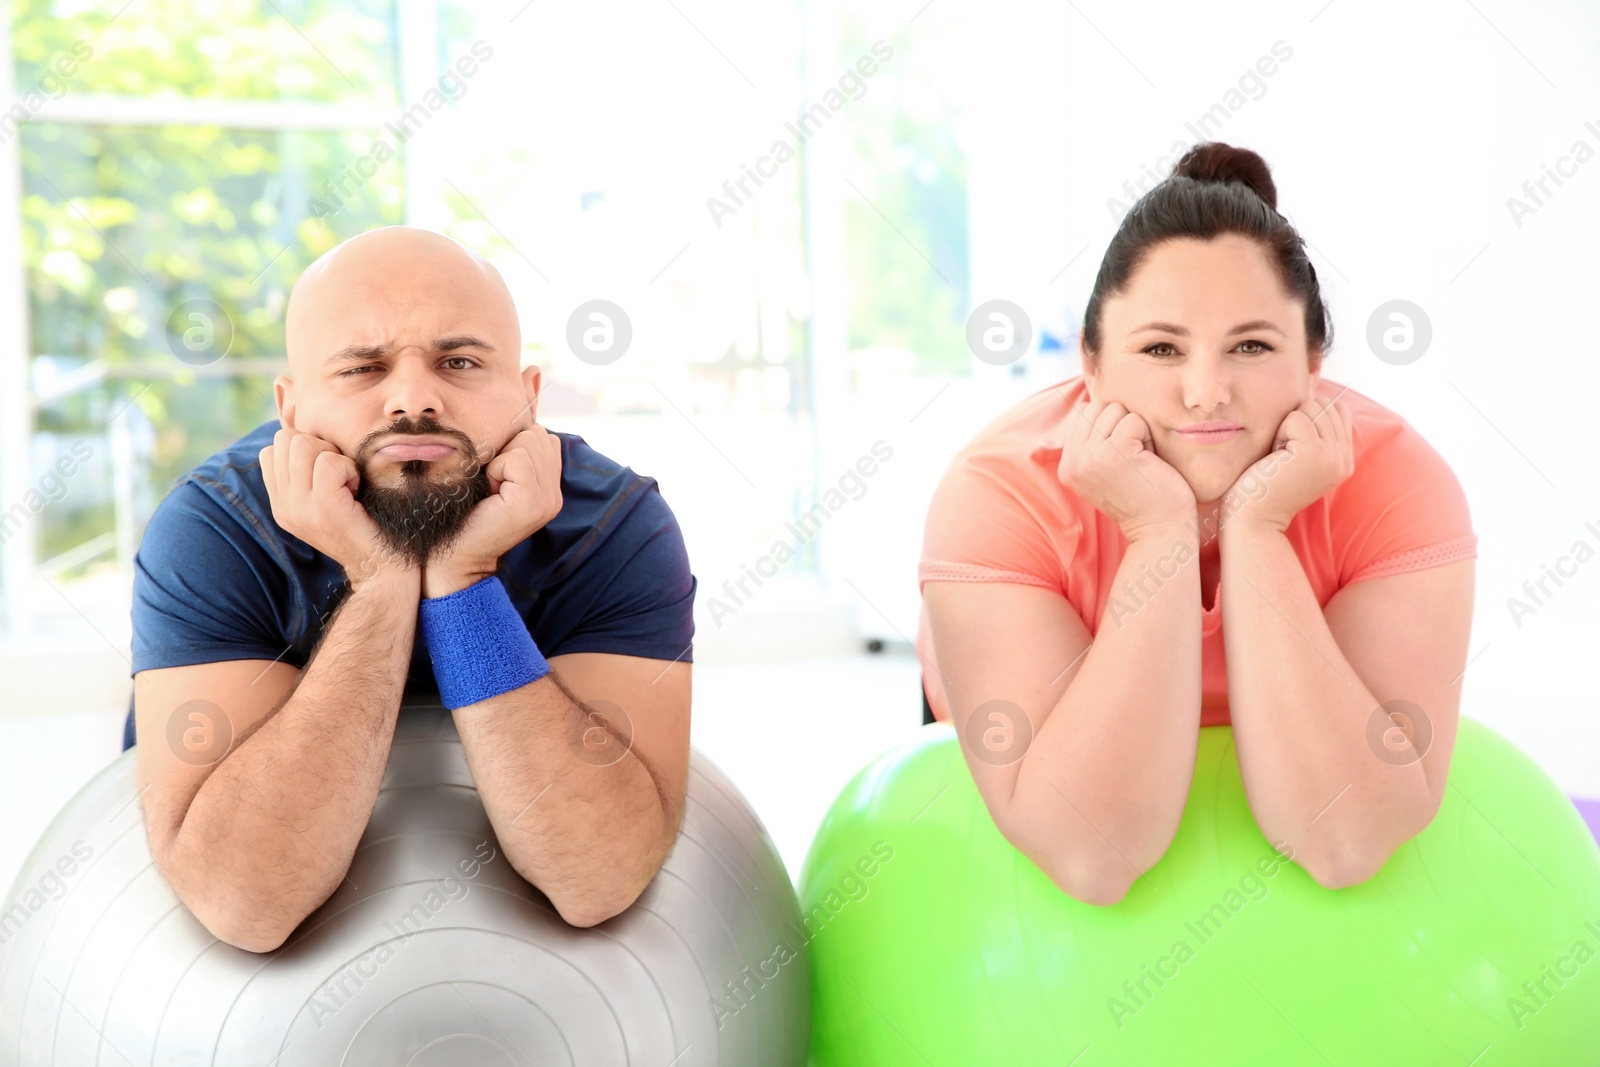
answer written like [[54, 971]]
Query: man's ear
[[283, 397], [532, 381]]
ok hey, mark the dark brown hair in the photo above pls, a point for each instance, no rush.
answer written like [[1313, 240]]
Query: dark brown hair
[[1214, 189]]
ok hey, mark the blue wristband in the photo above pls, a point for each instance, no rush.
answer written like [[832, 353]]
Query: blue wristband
[[479, 645]]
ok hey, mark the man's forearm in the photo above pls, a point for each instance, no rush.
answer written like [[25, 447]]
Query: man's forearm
[[1300, 716], [589, 829], [270, 834]]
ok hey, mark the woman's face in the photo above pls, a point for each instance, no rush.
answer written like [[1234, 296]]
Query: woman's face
[[1173, 352]]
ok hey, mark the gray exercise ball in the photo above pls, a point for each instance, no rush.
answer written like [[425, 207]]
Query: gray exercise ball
[[434, 952]]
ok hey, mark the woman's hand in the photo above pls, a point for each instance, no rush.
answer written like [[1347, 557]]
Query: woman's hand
[[1106, 458], [1311, 454]]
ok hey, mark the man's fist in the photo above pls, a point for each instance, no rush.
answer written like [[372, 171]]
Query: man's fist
[[312, 487]]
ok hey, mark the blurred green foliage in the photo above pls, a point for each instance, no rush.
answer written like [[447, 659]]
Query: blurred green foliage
[[121, 224], [124, 223], [908, 266], [323, 50]]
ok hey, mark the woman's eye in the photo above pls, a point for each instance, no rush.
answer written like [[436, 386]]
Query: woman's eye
[[1262, 349]]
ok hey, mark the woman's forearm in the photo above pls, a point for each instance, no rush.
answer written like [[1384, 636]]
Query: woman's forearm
[[1300, 715], [1102, 787]]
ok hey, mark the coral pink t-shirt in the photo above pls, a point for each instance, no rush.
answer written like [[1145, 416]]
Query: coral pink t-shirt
[[999, 515]]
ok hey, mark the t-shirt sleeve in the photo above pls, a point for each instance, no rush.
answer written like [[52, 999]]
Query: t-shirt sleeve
[[201, 587], [991, 521], [1404, 510], [645, 607], [987, 522]]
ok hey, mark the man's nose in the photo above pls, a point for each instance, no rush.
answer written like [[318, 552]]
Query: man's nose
[[413, 388]]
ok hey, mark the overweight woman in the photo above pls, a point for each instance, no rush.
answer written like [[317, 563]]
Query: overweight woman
[[1200, 530]]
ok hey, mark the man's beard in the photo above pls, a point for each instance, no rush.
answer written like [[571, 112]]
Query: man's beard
[[422, 516]]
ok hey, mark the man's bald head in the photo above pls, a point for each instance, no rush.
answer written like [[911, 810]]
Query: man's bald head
[[389, 267], [397, 334]]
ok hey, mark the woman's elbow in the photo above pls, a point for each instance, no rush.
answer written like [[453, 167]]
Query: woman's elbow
[[1083, 882], [1102, 891]]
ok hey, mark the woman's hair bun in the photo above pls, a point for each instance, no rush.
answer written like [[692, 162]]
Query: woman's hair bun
[[1214, 161]]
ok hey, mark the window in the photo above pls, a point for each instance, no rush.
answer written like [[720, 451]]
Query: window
[[780, 228]]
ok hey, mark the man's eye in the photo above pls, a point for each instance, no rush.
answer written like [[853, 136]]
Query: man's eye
[[453, 359]]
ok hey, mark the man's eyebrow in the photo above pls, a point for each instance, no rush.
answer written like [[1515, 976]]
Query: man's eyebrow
[[1243, 327], [362, 353]]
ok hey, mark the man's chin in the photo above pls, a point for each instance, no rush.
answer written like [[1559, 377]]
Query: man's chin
[[415, 550], [421, 521]]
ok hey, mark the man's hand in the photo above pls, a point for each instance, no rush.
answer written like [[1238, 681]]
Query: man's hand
[[524, 495], [1311, 454], [311, 486]]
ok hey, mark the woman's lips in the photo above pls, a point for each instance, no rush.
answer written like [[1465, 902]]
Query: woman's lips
[[1210, 437]]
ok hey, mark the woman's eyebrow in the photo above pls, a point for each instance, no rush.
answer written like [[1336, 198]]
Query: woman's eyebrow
[[360, 353], [1243, 327]]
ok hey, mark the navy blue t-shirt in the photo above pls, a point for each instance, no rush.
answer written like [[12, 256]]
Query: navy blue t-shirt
[[215, 578]]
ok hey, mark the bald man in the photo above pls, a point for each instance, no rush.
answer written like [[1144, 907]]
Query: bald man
[[279, 586]]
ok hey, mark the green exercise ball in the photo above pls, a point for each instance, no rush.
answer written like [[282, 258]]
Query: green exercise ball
[[936, 943]]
